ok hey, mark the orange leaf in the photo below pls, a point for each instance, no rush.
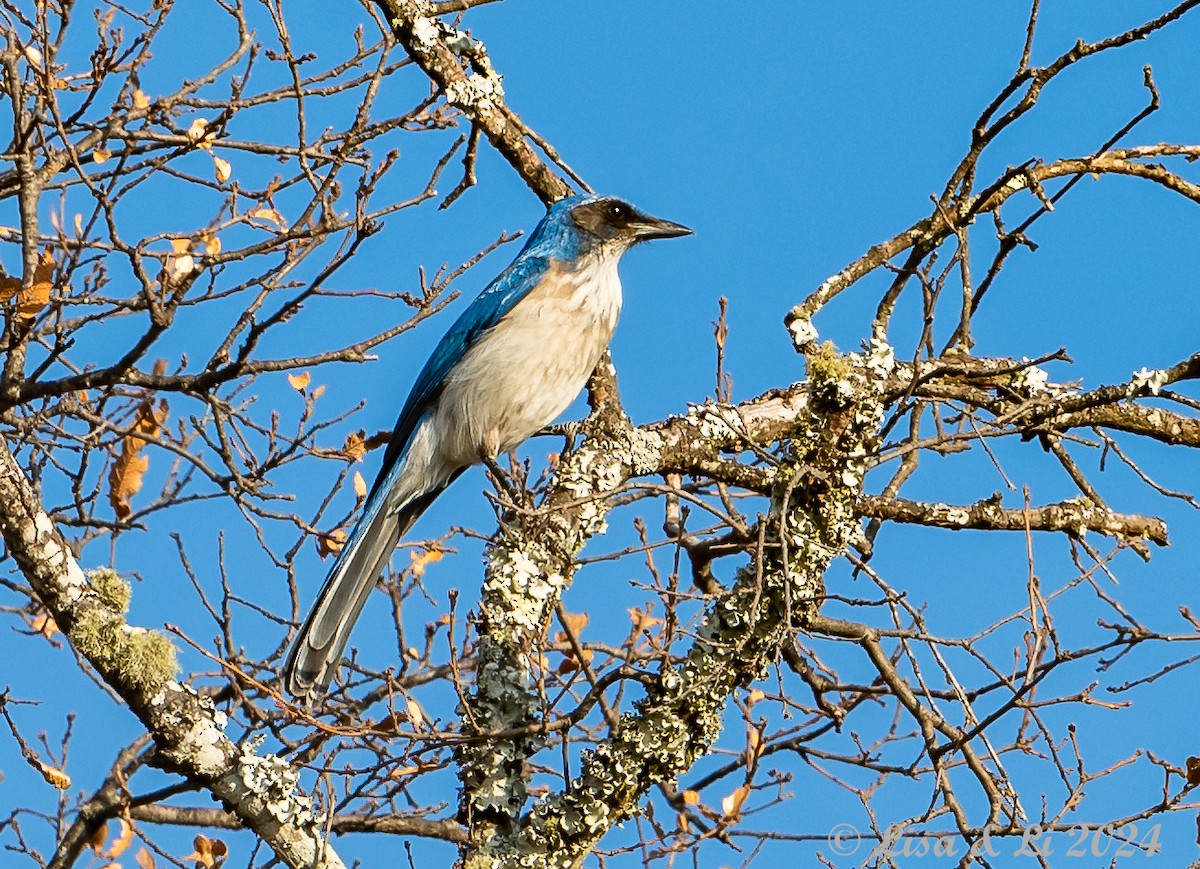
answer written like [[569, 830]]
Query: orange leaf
[[331, 543], [299, 381], [119, 844], [8, 287], [32, 300], [691, 798], [125, 479], [423, 560], [575, 622]]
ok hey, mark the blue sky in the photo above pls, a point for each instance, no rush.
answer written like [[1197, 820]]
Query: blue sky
[[791, 137]]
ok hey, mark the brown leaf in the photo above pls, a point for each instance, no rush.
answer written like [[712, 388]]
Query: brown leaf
[[299, 381], [1193, 771], [355, 446], [377, 440], [126, 477], [145, 859], [96, 842], [209, 853]]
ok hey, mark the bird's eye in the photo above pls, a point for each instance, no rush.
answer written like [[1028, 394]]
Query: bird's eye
[[618, 211]]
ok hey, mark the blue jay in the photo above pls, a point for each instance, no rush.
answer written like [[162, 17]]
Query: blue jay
[[516, 359]]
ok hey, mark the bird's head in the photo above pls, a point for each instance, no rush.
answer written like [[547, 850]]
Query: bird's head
[[617, 225]]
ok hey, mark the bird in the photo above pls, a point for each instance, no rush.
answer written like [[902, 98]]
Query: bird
[[515, 360]]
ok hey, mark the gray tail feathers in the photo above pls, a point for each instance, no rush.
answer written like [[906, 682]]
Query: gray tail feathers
[[317, 650]]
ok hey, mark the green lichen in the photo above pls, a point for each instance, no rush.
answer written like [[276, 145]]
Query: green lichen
[[824, 363], [111, 589], [135, 657]]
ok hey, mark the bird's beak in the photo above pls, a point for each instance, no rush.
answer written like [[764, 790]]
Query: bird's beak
[[647, 228]]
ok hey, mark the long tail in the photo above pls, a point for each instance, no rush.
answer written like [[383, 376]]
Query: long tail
[[317, 651]]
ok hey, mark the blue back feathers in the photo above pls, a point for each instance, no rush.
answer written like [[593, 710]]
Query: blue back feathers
[[555, 238]]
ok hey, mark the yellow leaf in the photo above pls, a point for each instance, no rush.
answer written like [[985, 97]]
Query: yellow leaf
[[181, 245], [54, 776], [141, 102], [222, 169], [212, 244], [360, 486], [299, 381]]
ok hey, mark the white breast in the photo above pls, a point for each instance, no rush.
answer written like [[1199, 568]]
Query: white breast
[[529, 368]]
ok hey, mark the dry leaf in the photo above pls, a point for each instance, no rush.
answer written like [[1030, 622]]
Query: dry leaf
[[33, 55], [32, 300], [181, 245], [101, 156], [732, 804], [415, 714], [197, 130], [125, 478], [360, 486], [1193, 771], [120, 843], [9, 287], [754, 696], [212, 244], [331, 543], [99, 838], [264, 213], [355, 447], [141, 102], [641, 619], [54, 776], [299, 381], [575, 622], [78, 223], [422, 560], [145, 859], [44, 624], [209, 853], [691, 798], [222, 169], [570, 664], [377, 440]]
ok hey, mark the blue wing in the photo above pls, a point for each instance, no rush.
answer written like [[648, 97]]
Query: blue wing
[[489, 307]]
